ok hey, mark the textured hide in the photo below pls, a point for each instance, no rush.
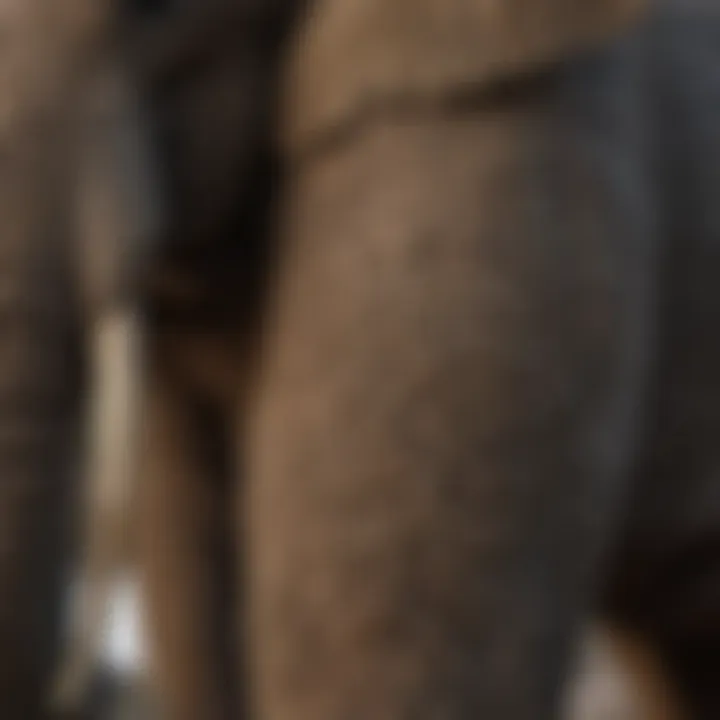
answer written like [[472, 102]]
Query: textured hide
[[351, 54]]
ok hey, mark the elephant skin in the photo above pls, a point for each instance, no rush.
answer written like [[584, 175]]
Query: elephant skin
[[488, 391], [59, 139], [355, 55], [463, 397]]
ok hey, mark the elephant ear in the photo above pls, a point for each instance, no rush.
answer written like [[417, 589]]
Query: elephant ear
[[351, 54]]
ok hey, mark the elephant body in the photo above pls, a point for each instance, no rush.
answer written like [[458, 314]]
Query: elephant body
[[432, 375], [422, 547], [461, 395], [472, 398]]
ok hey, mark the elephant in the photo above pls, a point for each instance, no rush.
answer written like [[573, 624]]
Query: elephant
[[81, 216], [78, 220], [487, 390], [431, 377], [427, 383]]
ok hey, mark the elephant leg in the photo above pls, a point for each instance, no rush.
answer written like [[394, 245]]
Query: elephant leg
[[39, 414], [184, 552], [453, 358], [37, 482]]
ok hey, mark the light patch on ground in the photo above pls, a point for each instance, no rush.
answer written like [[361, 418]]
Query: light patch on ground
[[123, 647], [616, 678]]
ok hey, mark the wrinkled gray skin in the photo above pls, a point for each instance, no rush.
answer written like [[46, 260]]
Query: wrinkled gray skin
[[471, 400], [484, 407], [505, 413]]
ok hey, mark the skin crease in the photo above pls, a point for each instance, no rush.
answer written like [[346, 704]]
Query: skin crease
[[434, 431]]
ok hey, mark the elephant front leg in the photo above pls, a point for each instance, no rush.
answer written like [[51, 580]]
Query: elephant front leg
[[184, 550], [39, 419], [445, 411], [38, 437]]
